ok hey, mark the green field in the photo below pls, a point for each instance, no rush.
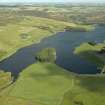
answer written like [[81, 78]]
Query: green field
[[42, 82], [87, 90], [48, 84], [26, 32]]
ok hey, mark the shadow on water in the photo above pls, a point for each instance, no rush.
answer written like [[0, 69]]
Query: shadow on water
[[64, 43]]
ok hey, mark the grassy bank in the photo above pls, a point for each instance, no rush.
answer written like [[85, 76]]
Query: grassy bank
[[48, 84], [93, 53], [28, 31], [42, 82], [5, 79], [80, 28]]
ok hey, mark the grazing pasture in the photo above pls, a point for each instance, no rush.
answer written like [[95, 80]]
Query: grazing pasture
[[46, 83]]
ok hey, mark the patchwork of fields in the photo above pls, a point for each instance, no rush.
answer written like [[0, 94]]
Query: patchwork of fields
[[46, 83]]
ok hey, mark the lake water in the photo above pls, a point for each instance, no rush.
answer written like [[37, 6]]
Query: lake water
[[64, 42]]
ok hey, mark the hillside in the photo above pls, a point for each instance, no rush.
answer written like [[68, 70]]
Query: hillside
[[46, 83]]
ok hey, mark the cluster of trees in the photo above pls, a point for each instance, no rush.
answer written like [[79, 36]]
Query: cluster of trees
[[102, 51], [44, 27], [46, 55], [92, 43], [80, 29]]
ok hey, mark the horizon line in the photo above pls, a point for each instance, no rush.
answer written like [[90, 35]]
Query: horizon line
[[53, 2]]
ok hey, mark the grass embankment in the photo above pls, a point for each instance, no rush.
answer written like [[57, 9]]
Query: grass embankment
[[93, 53], [30, 30], [5, 79], [42, 82], [49, 84], [81, 28], [6, 85], [27, 31]]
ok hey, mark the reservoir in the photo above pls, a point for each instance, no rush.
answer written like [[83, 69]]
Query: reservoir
[[64, 43]]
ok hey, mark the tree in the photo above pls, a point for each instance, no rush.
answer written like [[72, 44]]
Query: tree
[[46, 55]]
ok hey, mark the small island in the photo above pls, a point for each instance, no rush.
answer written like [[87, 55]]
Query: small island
[[46, 55]]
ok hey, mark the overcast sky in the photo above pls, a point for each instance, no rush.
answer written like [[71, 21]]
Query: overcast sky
[[12, 1]]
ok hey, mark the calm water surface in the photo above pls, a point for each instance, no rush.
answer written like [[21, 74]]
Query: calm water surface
[[64, 42]]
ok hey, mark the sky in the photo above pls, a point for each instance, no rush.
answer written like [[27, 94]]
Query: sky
[[74, 1]]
